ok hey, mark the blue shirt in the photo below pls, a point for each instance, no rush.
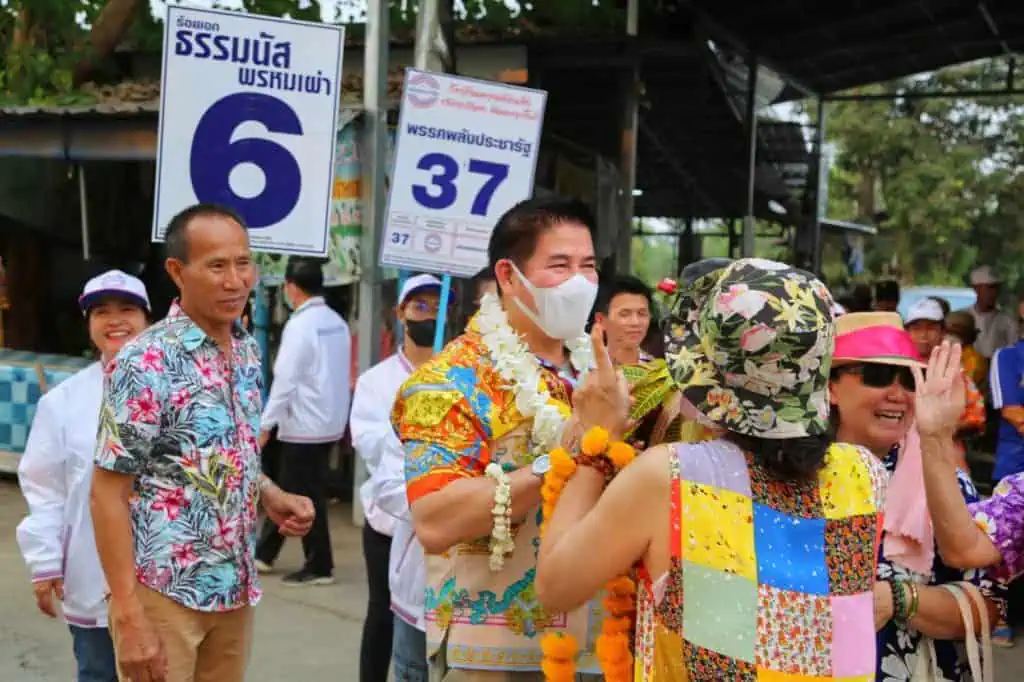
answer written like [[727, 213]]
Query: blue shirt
[[1006, 381]]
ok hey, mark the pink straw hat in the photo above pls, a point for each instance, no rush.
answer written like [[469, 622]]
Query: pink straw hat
[[874, 337]]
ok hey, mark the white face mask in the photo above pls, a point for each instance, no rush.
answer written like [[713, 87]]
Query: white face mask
[[563, 310]]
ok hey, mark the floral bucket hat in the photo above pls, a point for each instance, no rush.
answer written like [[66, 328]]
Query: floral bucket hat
[[750, 345]]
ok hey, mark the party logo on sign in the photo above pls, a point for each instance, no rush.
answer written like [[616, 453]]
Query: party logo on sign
[[422, 90]]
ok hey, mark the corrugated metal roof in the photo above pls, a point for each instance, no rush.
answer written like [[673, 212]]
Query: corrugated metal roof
[[131, 98], [109, 108]]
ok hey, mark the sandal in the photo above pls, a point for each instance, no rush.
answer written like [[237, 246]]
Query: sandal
[[1002, 636]]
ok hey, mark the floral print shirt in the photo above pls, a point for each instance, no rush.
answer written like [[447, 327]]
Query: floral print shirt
[[1002, 518], [183, 419], [897, 643]]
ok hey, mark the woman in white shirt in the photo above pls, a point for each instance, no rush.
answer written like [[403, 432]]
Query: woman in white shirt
[[55, 473]]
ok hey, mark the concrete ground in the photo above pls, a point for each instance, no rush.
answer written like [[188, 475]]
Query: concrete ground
[[310, 634]]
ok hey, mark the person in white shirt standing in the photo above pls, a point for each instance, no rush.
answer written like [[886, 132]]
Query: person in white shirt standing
[[308, 403], [55, 473], [395, 566], [996, 329]]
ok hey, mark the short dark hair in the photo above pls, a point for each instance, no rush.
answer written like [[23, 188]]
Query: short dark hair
[[516, 233], [620, 284], [306, 273], [176, 243], [485, 275], [887, 290]]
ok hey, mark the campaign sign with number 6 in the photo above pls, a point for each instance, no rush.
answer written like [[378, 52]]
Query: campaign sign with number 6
[[465, 153], [248, 119]]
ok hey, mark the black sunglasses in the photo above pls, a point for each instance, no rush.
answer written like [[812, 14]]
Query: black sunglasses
[[875, 375]]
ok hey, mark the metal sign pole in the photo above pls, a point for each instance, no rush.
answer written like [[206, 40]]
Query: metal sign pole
[[374, 158], [432, 53]]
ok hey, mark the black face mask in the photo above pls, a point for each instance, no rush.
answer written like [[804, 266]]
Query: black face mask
[[421, 332]]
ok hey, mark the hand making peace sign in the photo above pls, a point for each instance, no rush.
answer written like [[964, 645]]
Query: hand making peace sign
[[603, 398]]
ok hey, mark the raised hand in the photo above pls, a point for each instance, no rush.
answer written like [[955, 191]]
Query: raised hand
[[603, 398], [941, 393]]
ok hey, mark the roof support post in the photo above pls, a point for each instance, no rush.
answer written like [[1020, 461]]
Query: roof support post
[[83, 208], [749, 221], [374, 156], [821, 168], [627, 150]]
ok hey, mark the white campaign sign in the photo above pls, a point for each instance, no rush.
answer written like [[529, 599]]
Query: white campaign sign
[[465, 153], [248, 119]]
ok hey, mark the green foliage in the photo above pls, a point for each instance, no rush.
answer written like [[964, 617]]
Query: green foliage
[[39, 72], [945, 174], [40, 39]]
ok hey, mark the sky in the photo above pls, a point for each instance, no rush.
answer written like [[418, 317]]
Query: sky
[[350, 9]]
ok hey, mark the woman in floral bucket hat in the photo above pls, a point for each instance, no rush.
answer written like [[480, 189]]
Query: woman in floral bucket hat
[[756, 549]]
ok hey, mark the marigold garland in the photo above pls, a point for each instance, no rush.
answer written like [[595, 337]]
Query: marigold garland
[[614, 646]]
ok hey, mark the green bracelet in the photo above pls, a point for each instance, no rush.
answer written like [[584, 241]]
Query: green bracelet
[[899, 600]]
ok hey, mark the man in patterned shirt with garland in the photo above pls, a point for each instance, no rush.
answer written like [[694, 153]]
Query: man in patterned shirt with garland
[[476, 423], [177, 477]]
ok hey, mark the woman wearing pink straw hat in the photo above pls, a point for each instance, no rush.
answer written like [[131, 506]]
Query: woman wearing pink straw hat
[[873, 399]]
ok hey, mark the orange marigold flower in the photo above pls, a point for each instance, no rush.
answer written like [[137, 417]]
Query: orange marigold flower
[[613, 625], [558, 671], [618, 606], [622, 585], [550, 491], [595, 441], [613, 649], [562, 465], [559, 646], [621, 454]]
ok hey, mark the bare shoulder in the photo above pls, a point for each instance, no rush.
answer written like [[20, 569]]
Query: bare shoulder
[[651, 469]]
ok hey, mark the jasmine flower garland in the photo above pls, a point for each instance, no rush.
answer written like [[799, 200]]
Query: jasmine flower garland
[[522, 372]]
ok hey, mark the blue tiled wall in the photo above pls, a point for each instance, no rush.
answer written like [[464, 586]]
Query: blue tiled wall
[[20, 391]]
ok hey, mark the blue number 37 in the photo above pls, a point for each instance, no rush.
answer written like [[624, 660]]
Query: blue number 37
[[442, 192]]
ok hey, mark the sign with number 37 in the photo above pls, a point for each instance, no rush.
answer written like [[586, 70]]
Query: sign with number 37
[[466, 152]]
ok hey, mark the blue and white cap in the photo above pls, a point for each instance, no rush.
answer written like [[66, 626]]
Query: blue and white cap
[[113, 283], [418, 283]]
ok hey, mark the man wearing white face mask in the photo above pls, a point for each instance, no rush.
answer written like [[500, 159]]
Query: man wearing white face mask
[[476, 423]]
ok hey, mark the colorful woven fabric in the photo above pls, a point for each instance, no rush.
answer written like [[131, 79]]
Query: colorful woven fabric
[[768, 580]]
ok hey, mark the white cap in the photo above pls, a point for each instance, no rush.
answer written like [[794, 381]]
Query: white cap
[[984, 275], [418, 283], [113, 283], [926, 309]]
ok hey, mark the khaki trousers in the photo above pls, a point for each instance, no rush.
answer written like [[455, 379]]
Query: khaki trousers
[[200, 646]]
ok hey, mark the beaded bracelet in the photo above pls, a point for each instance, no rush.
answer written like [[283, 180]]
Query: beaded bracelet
[[899, 600], [904, 605]]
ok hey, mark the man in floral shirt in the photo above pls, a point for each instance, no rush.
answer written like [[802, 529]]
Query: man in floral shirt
[[178, 476]]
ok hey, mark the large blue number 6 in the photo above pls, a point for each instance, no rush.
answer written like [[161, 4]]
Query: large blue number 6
[[444, 181], [214, 156]]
